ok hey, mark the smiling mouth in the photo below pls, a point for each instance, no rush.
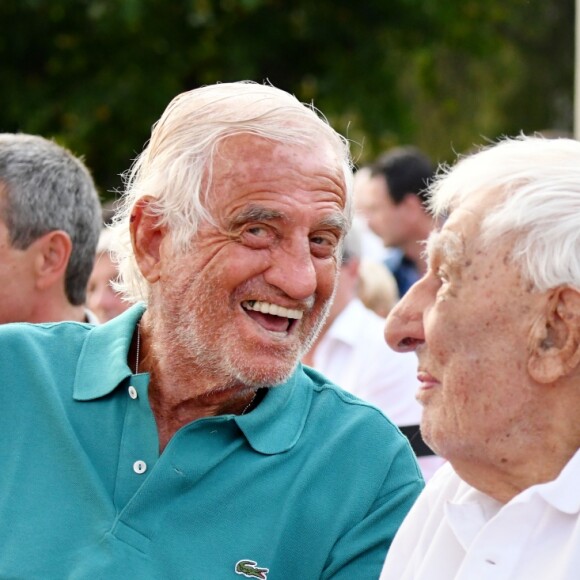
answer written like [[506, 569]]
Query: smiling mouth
[[272, 317]]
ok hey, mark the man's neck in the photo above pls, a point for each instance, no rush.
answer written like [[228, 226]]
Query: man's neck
[[173, 412], [510, 474], [173, 401]]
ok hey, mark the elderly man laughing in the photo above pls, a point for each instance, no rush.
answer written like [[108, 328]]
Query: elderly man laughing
[[495, 323], [182, 439]]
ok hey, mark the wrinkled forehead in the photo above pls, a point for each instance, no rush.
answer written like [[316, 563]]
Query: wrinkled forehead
[[462, 236], [449, 204], [255, 148], [244, 157]]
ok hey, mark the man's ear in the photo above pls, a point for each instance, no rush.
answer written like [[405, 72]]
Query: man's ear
[[52, 254], [146, 237], [555, 340]]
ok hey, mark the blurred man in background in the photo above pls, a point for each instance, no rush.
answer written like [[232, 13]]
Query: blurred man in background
[[50, 218], [393, 201]]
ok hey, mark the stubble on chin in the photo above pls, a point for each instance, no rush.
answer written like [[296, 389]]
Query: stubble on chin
[[193, 336]]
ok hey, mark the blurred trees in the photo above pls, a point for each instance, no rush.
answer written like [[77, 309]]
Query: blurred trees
[[442, 74]]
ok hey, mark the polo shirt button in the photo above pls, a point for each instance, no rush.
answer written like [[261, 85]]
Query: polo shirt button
[[133, 392], [139, 467]]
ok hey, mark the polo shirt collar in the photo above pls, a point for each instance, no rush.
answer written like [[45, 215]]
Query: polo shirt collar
[[102, 364], [276, 424]]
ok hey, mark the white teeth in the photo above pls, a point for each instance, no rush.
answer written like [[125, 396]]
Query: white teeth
[[275, 309]]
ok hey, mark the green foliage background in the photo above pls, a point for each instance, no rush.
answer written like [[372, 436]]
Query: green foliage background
[[442, 74]]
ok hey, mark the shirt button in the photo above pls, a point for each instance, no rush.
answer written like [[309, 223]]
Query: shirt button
[[133, 392], [139, 467]]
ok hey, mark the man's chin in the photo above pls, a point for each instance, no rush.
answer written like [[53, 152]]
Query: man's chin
[[265, 376]]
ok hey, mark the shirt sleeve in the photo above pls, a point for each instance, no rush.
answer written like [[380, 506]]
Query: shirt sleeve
[[360, 552]]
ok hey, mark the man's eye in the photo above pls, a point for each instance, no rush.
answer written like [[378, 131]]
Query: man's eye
[[258, 231], [323, 246], [257, 236]]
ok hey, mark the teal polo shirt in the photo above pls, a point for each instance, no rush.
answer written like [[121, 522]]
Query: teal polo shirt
[[313, 483]]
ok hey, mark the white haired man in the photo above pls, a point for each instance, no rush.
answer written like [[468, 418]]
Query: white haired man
[[495, 323], [159, 448]]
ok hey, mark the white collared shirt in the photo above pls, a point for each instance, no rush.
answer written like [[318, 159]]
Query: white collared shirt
[[454, 532], [91, 317], [354, 355]]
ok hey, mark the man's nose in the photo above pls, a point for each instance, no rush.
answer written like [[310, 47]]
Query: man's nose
[[404, 330], [292, 271]]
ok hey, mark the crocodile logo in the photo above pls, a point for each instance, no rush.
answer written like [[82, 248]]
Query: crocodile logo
[[250, 569]]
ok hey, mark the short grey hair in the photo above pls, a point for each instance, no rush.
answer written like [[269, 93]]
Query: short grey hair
[[46, 188], [175, 166], [539, 183]]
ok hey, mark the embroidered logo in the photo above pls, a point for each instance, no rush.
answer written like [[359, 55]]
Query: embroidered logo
[[250, 569]]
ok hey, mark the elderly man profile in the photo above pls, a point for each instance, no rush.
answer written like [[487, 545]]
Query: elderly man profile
[[495, 323], [50, 218], [159, 448]]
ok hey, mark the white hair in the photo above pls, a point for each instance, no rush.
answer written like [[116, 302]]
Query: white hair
[[538, 180], [175, 167]]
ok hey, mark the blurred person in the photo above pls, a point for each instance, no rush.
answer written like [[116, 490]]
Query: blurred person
[[183, 438], [372, 247], [377, 288], [495, 323], [393, 202], [49, 227], [102, 299], [351, 351], [108, 210]]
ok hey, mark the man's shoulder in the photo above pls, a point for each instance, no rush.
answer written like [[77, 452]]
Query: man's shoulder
[[336, 404], [41, 357], [26, 345], [26, 333], [340, 422]]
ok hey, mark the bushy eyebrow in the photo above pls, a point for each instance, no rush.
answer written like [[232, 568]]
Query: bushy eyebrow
[[258, 213], [336, 221], [444, 246]]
